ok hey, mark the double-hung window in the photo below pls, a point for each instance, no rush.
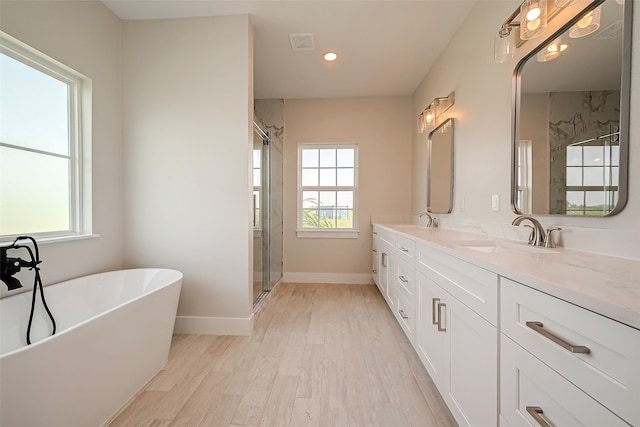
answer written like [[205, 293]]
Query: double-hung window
[[592, 175], [40, 144], [327, 190]]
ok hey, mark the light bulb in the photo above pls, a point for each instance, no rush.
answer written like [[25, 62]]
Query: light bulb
[[533, 18], [533, 14]]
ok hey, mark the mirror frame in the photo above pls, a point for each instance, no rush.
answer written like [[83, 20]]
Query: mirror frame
[[625, 85], [450, 121]]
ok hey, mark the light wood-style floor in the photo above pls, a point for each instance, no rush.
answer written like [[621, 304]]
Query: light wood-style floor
[[321, 355]]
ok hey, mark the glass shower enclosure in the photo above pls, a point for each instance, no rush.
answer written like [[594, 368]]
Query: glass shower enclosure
[[267, 212]]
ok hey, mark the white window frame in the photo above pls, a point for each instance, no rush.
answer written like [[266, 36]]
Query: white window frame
[[332, 233], [524, 173], [79, 115]]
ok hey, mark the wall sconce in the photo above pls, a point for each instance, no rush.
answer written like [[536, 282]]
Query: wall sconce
[[428, 118], [534, 15]]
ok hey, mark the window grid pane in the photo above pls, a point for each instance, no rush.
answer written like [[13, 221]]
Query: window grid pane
[[327, 188]]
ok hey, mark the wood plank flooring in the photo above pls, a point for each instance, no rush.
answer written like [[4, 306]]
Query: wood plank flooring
[[321, 355]]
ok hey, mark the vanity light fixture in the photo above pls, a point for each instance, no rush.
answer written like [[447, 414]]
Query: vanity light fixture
[[533, 19], [534, 15], [428, 118]]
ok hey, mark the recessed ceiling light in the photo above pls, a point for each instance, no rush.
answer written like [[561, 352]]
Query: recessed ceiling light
[[330, 56]]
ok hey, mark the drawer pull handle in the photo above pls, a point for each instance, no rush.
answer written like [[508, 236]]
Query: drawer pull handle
[[538, 327], [440, 327], [375, 251], [404, 316], [374, 271], [403, 249], [384, 260], [433, 310], [375, 232], [536, 413], [403, 279]]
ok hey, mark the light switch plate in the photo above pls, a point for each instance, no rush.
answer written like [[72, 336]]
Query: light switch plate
[[495, 203]]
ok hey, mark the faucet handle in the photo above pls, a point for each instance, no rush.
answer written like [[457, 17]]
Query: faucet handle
[[532, 234], [548, 241]]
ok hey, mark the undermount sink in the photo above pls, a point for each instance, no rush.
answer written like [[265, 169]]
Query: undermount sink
[[492, 247]]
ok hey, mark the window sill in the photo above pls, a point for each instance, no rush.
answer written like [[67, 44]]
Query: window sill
[[52, 239], [327, 234]]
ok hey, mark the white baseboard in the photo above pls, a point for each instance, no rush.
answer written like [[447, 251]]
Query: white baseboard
[[347, 278], [213, 325]]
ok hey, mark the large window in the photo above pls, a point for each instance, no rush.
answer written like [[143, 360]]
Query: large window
[[40, 144], [327, 190]]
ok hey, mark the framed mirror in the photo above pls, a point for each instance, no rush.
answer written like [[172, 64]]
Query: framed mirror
[[571, 117], [440, 168]]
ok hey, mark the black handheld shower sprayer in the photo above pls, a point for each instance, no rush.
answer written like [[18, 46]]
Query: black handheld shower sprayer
[[11, 266]]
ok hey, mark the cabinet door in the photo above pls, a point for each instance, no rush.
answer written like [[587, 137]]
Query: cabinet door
[[429, 342], [392, 297], [375, 261], [471, 361]]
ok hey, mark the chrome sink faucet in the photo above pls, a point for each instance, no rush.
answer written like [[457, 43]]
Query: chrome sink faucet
[[421, 214], [538, 236]]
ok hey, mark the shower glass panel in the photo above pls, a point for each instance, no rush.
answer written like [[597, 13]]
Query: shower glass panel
[[267, 213]]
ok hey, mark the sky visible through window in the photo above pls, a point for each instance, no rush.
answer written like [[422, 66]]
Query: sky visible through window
[[34, 115]]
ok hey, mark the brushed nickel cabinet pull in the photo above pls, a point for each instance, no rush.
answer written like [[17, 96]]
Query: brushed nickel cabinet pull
[[375, 251], [433, 310], [538, 327], [374, 271], [375, 232], [403, 279], [403, 249], [404, 316], [384, 260], [440, 328], [536, 412]]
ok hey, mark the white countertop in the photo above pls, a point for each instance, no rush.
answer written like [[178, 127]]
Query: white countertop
[[603, 284]]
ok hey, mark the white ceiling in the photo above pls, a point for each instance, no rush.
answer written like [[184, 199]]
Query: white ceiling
[[384, 47]]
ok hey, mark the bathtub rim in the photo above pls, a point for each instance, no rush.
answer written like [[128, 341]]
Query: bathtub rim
[[177, 280]]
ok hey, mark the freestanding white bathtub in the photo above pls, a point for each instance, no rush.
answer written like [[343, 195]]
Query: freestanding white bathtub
[[114, 333]]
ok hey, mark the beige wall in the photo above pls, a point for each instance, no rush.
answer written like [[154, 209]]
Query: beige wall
[[483, 138], [382, 129], [187, 132], [86, 37]]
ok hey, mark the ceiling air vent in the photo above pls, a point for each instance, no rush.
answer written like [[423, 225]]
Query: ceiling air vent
[[301, 41]]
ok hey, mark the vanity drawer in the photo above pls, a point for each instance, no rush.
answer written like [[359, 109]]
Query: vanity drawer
[[406, 248], [406, 277], [406, 314], [476, 287], [527, 383], [609, 367]]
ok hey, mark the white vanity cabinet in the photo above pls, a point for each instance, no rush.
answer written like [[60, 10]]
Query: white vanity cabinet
[[457, 345], [593, 360], [504, 353]]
